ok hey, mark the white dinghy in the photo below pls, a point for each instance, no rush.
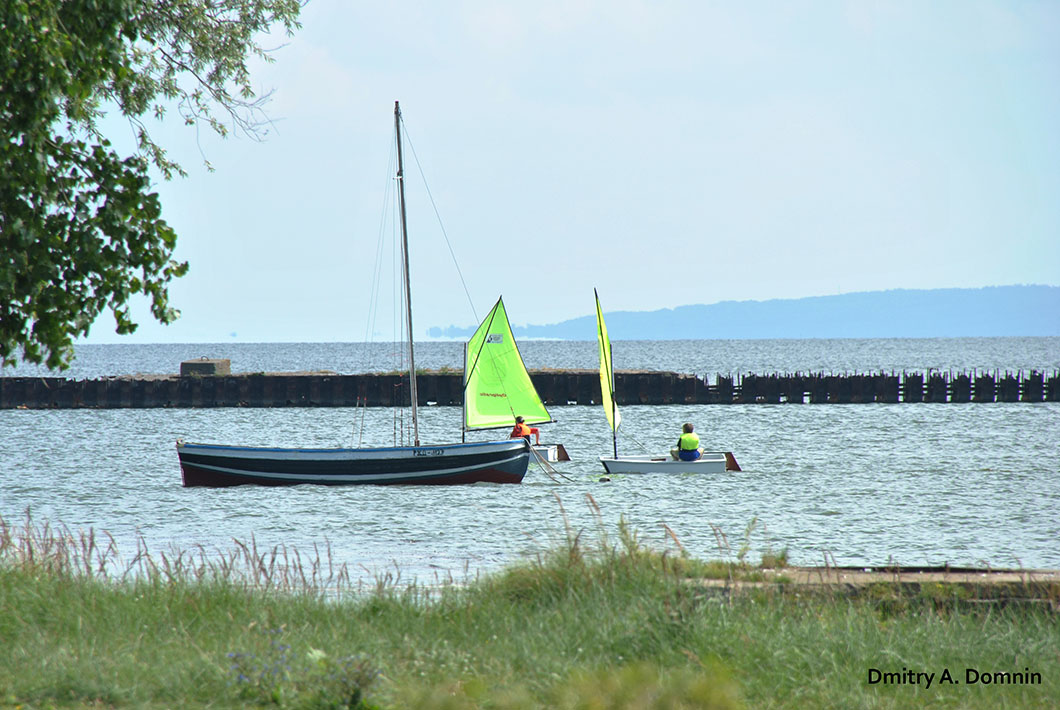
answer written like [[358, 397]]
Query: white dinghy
[[709, 462]]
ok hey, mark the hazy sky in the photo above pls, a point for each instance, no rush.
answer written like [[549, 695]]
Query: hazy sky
[[667, 153]]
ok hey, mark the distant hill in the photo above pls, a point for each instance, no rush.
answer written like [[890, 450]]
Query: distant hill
[[899, 313]]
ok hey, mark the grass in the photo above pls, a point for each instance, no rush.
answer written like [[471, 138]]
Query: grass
[[607, 625]]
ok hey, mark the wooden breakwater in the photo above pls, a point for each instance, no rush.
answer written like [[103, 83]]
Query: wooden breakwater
[[557, 387]]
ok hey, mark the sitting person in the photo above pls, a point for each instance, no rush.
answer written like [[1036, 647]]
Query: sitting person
[[688, 448], [524, 431]]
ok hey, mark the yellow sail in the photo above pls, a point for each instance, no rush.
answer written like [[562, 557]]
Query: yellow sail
[[497, 386], [607, 370]]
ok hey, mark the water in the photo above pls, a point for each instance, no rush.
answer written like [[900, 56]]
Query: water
[[700, 357], [922, 484]]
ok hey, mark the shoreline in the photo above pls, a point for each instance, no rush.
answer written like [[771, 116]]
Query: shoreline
[[940, 584]]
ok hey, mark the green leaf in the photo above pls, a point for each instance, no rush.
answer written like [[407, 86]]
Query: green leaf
[[80, 229]]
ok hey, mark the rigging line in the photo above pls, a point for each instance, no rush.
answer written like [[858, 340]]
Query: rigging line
[[375, 285], [548, 468], [373, 300], [395, 358], [438, 216], [399, 324], [377, 264], [643, 448], [399, 354]]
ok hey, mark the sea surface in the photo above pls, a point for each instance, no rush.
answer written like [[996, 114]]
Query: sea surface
[[699, 357], [862, 484]]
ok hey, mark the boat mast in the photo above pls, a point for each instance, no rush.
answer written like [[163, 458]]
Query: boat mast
[[614, 405], [405, 267]]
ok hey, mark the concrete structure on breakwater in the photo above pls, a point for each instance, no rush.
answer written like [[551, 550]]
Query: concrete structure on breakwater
[[557, 387]]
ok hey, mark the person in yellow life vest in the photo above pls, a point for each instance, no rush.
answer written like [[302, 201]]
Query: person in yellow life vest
[[688, 448], [524, 431]]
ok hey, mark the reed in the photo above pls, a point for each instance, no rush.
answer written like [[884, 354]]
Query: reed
[[608, 624]]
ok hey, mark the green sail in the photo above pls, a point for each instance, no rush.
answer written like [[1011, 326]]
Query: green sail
[[496, 384], [607, 370]]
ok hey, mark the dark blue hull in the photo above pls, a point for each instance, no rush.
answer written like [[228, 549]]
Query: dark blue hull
[[450, 464]]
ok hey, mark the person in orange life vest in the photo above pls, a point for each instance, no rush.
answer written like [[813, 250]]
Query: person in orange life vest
[[524, 431]]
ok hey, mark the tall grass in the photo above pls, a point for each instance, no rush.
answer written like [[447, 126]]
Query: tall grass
[[606, 624]]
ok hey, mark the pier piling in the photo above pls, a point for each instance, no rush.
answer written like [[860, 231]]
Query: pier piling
[[557, 388], [913, 387], [985, 388], [1033, 389], [1008, 388]]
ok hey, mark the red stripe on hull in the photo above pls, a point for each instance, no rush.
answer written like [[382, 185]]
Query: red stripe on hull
[[194, 476]]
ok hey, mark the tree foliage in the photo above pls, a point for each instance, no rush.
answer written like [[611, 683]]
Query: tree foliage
[[81, 230]]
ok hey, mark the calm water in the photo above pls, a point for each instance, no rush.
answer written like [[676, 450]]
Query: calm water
[[701, 357], [867, 484]]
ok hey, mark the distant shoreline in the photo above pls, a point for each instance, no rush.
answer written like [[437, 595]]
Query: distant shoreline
[[994, 311]]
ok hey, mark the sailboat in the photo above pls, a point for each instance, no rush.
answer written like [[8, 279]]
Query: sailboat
[[709, 462], [497, 387], [503, 461]]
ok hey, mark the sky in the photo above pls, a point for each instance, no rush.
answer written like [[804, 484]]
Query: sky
[[665, 153]]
